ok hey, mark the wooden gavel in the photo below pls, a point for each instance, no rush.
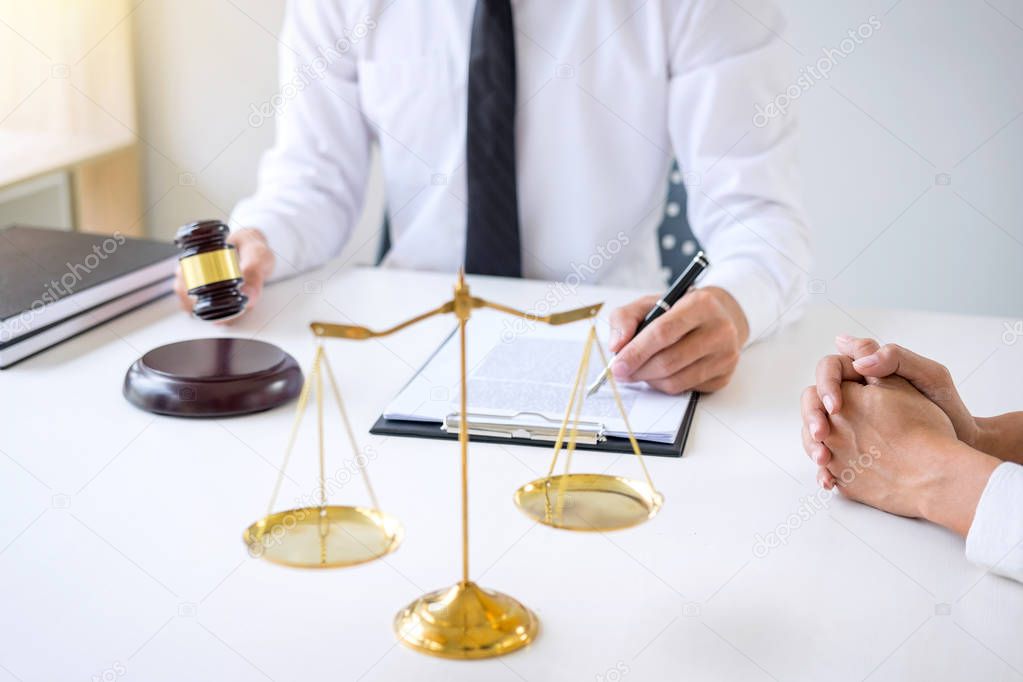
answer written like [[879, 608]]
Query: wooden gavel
[[209, 266]]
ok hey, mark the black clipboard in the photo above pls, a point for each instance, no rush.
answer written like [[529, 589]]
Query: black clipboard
[[420, 429]]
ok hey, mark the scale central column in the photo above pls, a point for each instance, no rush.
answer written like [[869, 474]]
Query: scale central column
[[463, 310], [465, 621]]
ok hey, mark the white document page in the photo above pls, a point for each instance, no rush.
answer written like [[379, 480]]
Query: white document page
[[526, 377]]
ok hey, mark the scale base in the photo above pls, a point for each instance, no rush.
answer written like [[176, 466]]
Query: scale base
[[465, 621]]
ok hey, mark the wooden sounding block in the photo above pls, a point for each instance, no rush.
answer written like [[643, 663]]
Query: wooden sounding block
[[215, 377]]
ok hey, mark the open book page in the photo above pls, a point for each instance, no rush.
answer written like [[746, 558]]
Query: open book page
[[527, 379]]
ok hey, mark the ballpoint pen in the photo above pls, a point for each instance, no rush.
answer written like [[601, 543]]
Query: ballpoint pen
[[678, 290]]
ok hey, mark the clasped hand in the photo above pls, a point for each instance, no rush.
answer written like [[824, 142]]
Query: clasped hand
[[888, 427]]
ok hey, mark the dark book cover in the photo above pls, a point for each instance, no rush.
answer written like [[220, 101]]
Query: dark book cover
[[40, 267]]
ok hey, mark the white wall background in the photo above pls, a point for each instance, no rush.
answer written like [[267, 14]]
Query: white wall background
[[912, 148]]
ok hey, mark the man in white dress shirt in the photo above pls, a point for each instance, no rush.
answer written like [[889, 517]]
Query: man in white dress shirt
[[888, 428], [543, 133]]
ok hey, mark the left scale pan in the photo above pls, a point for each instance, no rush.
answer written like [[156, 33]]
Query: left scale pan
[[215, 377]]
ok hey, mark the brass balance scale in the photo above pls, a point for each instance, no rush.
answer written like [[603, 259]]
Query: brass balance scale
[[463, 621]]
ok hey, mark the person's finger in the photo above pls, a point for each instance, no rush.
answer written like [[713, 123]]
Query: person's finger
[[253, 286], [184, 300], [832, 370], [253, 292], [708, 374], [894, 359], [825, 479], [717, 381], [855, 347], [625, 319], [816, 451], [812, 410], [256, 261], [698, 344], [841, 486], [927, 376], [667, 329]]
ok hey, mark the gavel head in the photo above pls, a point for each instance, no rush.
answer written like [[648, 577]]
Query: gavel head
[[210, 269]]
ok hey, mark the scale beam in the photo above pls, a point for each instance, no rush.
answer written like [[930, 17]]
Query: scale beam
[[359, 333]]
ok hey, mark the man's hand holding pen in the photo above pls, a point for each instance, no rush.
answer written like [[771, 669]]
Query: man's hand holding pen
[[695, 345], [685, 340]]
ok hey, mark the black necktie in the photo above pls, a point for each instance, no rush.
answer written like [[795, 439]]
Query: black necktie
[[492, 231]]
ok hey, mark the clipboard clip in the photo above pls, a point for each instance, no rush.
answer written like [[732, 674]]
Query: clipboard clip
[[522, 426]]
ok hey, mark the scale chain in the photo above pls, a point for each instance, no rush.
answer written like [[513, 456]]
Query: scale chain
[[303, 400], [351, 432]]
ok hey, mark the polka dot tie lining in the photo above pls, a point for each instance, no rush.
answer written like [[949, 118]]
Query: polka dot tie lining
[[676, 239]]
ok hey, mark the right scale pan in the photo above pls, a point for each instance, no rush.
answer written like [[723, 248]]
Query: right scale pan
[[588, 502]]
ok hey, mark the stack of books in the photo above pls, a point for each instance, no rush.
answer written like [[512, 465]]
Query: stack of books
[[56, 284]]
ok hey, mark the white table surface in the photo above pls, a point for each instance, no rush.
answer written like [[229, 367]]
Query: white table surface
[[121, 556]]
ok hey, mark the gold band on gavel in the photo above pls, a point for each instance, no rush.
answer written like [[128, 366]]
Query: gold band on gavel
[[209, 267]]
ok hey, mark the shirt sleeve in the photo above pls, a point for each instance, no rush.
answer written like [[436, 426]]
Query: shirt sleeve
[[740, 167], [312, 181], [995, 540]]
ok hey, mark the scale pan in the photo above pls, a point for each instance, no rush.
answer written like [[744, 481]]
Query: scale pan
[[328, 537], [592, 502]]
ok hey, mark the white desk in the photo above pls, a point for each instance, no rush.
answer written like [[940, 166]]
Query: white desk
[[120, 549]]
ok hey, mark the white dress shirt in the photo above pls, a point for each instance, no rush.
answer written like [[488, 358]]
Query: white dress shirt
[[995, 540], [608, 93]]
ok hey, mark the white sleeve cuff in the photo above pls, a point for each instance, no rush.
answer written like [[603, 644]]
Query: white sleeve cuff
[[755, 292], [995, 540], [282, 238]]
